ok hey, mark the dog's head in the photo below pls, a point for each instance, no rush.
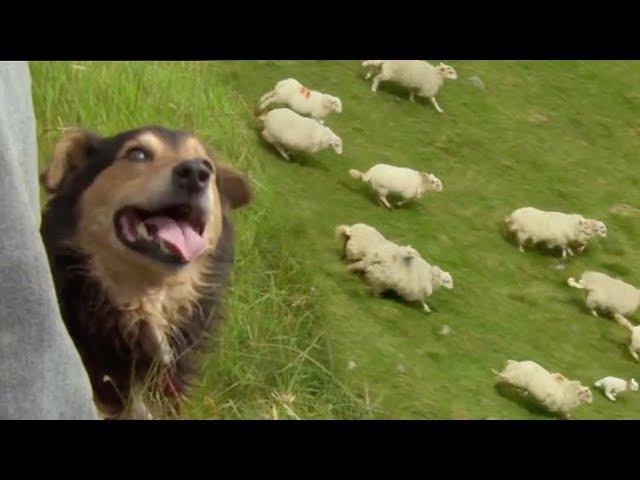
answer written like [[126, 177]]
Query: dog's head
[[151, 198]]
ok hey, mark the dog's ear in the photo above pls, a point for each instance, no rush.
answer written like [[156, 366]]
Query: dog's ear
[[70, 153], [233, 186]]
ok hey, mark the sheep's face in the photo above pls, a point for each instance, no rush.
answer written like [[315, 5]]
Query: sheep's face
[[598, 228], [633, 385], [443, 278], [447, 280], [585, 395], [447, 72], [336, 104], [336, 144]]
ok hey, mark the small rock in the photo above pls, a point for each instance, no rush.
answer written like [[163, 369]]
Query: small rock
[[476, 82], [351, 365], [401, 368], [537, 118], [445, 330], [625, 210], [560, 266]]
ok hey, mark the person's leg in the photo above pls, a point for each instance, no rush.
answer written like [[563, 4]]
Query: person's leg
[[41, 373]]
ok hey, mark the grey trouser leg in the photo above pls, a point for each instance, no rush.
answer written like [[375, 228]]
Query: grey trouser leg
[[41, 373]]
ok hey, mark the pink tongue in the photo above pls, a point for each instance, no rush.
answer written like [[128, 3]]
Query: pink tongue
[[180, 236]]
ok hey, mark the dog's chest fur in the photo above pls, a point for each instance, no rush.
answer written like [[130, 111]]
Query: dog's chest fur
[[123, 346]]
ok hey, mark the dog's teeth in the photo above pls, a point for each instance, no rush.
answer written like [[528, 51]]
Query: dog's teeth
[[142, 231], [164, 249]]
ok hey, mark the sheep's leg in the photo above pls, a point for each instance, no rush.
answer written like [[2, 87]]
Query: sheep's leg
[[634, 354], [383, 199], [594, 313], [368, 75], [269, 138], [570, 251], [564, 253], [375, 82], [412, 97], [610, 395], [426, 308], [435, 104], [281, 151], [581, 248], [267, 100], [357, 266]]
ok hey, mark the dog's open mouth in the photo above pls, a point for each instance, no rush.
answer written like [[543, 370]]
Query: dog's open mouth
[[170, 235]]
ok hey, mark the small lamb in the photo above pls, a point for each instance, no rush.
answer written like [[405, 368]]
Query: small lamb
[[419, 77], [555, 229], [553, 390], [287, 130], [404, 182], [299, 98], [612, 386]]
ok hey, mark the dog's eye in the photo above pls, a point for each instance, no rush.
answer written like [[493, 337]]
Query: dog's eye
[[137, 154]]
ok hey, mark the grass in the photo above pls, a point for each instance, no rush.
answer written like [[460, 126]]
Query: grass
[[556, 135]]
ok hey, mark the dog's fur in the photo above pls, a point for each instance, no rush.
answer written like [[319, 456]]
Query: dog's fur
[[137, 323]]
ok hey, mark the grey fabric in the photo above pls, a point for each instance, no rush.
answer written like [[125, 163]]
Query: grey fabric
[[41, 373]]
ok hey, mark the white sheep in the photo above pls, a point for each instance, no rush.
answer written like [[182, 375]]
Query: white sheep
[[299, 98], [404, 182], [287, 130], [611, 296], [359, 239], [403, 270], [553, 390], [555, 229], [612, 386], [419, 77], [634, 342]]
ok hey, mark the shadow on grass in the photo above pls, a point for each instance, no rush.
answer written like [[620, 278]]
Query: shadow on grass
[[525, 401], [360, 188]]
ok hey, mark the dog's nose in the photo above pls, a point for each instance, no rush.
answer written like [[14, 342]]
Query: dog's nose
[[191, 175]]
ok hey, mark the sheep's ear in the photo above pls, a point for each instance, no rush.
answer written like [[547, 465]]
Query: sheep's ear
[[234, 187], [69, 155], [408, 258]]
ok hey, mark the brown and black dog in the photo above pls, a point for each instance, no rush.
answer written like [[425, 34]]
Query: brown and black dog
[[140, 244]]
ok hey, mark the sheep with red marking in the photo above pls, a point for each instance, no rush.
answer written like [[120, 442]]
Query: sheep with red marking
[[296, 96]]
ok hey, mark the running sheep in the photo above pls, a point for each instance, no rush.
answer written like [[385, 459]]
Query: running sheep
[[419, 77], [403, 182], [554, 229], [296, 96], [553, 390], [611, 296], [401, 269], [288, 131]]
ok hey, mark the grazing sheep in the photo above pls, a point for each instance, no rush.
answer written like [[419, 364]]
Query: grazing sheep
[[419, 77], [286, 130], [403, 270], [299, 98], [554, 229], [553, 390], [612, 386], [404, 182], [359, 239]]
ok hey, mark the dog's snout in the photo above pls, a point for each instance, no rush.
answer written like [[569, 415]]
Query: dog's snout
[[191, 175]]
